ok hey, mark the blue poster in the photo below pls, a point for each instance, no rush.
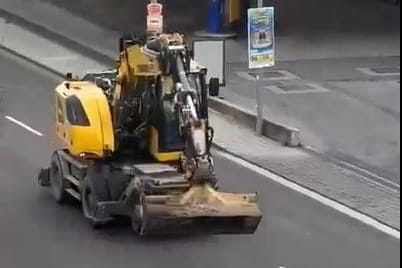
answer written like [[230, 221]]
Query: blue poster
[[261, 37]]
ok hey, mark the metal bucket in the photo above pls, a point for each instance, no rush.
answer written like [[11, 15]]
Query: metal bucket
[[201, 210]]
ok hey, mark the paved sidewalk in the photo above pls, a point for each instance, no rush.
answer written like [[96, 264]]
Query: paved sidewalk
[[339, 110], [349, 188]]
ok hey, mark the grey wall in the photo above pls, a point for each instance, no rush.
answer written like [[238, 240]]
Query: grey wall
[[362, 16], [302, 17], [130, 15]]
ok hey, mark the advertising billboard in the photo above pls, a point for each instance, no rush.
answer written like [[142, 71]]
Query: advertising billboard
[[261, 37]]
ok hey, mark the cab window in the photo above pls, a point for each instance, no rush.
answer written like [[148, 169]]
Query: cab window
[[75, 112]]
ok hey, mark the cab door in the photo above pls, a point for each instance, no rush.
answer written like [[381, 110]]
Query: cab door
[[60, 120]]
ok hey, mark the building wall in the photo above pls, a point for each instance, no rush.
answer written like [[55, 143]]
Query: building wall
[[293, 16], [130, 15], [347, 16]]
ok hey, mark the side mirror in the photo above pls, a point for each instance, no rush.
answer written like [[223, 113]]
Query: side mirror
[[214, 87], [103, 83]]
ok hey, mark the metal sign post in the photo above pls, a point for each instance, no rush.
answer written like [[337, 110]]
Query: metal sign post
[[260, 108], [261, 50]]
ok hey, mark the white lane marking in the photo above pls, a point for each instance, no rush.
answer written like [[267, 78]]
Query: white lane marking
[[24, 126], [317, 197]]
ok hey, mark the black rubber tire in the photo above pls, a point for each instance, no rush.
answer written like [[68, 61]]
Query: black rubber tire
[[94, 189], [137, 218], [58, 184]]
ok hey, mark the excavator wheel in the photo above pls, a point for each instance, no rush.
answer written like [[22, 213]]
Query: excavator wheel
[[57, 181], [138, 214], [94, 189], [138, 217]]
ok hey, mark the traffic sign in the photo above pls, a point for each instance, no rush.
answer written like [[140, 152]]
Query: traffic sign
[[155, 17]]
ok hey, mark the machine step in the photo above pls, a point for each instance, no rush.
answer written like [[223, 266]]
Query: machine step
[[74, 194], [73, 180]]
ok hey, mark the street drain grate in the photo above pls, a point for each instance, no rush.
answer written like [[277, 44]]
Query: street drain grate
[[291, 88], [277, 75], [297, 89], [386, 70], [381, 71]]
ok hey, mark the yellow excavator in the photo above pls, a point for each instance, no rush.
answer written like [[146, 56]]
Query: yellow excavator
[[136, 142]]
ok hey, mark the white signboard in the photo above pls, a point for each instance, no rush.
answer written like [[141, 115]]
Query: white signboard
[[155, 17], [261, 37]]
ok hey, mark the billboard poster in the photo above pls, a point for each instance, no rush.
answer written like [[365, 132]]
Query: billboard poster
[[261, 37]]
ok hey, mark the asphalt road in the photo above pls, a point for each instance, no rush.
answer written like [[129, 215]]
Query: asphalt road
[[36, 232]]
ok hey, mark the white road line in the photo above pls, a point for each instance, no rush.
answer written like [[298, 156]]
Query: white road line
[[317, 197], [24, 126]]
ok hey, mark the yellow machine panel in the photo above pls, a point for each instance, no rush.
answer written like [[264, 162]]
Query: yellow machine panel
[[233, 11], [135, 63], [83, 123], [156, 152]]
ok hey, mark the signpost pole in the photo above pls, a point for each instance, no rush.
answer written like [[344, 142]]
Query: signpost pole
[[260, 108], [261, 50]]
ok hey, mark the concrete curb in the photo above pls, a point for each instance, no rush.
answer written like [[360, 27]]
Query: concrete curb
[[276, 131], [279, 132]]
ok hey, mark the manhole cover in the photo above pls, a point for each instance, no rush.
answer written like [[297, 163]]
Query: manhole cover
[[272, 74], [290, 88], [297, 89], [386, 70], [277, 75], [380, 71]]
